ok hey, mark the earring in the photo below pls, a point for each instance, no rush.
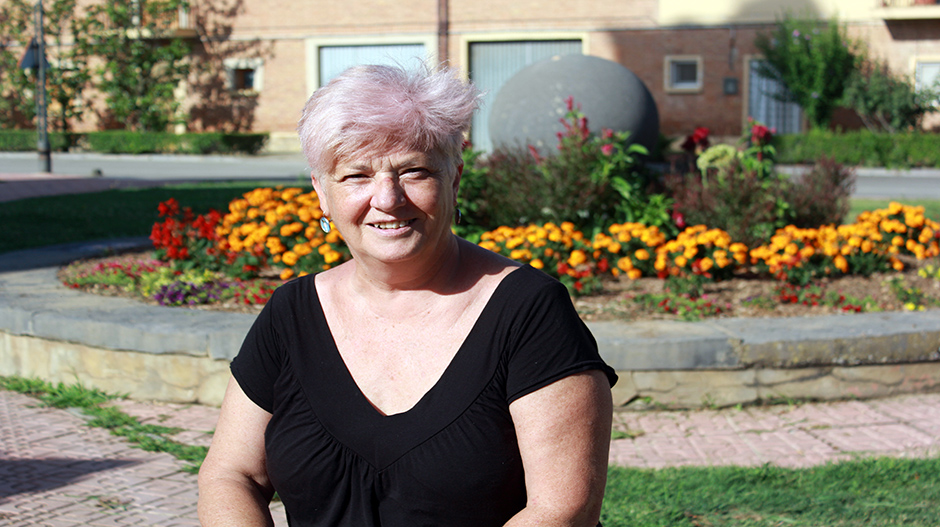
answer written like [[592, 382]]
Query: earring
[[459, 215], [325, 224]]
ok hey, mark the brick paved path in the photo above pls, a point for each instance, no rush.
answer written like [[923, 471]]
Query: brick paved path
[[55, 471]]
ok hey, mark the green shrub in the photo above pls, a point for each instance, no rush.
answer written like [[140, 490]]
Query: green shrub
[[861, 148], [821, 195], [25, 140], [125, 142], [590, 180], [737, 201]]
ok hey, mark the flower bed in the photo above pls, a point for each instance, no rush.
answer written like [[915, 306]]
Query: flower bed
[[271, 235]]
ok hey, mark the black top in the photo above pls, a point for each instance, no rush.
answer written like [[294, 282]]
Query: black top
[[452, 459]]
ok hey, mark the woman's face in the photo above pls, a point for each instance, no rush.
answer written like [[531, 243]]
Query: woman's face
[[392, 208]]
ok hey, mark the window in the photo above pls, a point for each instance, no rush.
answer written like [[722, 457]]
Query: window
[[493, 63], [244, 79], [244, 76], [927, 76], [334, 60], [769, 102], [683, 74]]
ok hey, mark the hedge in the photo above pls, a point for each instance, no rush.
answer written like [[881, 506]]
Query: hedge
[[860, 148], [124, 142]]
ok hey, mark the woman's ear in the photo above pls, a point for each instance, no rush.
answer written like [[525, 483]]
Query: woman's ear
[[457, 178], [321, 197]]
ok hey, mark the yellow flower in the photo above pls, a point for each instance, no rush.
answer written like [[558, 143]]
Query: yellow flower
[[625, 264], [634, 274], [841, 263], [287, 273], [538, 264], [681, 261], [706, 263], [289, 258], [642, 255], [332, 256], [577, 258]]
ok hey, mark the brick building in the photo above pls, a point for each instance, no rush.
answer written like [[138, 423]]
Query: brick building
[[258, 60]]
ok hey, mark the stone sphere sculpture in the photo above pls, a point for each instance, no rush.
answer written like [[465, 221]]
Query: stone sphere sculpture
[[527, 109]]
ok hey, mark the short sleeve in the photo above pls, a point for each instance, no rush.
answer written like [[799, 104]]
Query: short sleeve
[[549, 341], [258, 363]]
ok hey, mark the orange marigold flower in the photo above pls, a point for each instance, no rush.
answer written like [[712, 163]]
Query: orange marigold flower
[[642, 255], [577, 258], [625, 264], [841, 263]]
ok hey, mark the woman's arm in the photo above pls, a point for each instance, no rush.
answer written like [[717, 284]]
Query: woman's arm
[[564, 438], [233, 481]]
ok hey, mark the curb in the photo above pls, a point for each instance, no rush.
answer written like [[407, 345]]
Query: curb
[[51, 331]]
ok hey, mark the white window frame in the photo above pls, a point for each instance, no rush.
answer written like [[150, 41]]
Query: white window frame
[[670, 86], [233, 64], [312, 50], [927, 59]]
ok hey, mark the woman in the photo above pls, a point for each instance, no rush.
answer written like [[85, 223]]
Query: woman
[[426, 381]]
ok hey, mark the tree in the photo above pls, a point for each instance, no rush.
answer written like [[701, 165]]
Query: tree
[[813, 59], [66, 78], [885, 101], [140, 67], [17, 105]]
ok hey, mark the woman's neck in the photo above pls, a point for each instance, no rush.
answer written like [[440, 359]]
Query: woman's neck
[[435, 275]]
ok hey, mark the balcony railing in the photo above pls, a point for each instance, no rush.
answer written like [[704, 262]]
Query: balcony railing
[[178, 24], [907, 3], [908, 9]]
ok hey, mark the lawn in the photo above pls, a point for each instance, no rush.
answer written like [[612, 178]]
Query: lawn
[[877, 491], [36, 222]]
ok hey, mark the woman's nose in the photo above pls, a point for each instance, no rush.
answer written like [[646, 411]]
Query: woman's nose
[[388, 193]]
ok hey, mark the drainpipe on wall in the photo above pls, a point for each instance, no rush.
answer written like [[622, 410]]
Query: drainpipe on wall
[[442, 24]]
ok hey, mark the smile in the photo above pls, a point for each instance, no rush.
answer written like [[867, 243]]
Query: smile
[[392, 224]]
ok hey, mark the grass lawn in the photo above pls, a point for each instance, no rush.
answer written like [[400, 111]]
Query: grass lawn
[[36, 222], [878, 491]]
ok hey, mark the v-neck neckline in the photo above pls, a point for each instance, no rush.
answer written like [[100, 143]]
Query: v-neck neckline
[[333, 350], [348, 414]]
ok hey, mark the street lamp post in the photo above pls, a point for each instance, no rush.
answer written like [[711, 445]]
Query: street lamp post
[[42, 122]]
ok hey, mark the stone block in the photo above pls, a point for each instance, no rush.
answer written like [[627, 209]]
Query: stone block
[[692, 389], [663, 345]]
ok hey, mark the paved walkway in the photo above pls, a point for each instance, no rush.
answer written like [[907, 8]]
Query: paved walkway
[[56, 471]]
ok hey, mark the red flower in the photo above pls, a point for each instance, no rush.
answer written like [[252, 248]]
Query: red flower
[[678, 219], [696, 142], [169, 207]]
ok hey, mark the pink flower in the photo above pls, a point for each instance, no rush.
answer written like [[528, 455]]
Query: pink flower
[[607, 149], [535, 154]]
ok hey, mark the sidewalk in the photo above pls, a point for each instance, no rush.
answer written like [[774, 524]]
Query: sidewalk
[[56, 471]]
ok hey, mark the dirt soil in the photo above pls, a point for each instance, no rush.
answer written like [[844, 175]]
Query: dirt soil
[[744, 296]]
